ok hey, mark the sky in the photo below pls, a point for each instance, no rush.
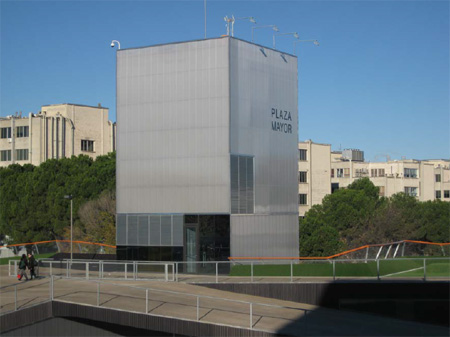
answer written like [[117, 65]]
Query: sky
[[379, 81]]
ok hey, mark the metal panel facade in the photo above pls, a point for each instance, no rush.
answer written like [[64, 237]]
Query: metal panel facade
[[263, 124], [183, 110], [173, 128]]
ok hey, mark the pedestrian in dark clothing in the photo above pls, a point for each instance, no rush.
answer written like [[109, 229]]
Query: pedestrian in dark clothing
[[31, 265], [22, 267]]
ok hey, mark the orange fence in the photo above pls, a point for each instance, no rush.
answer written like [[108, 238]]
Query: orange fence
[[339, 254], [56, 241]]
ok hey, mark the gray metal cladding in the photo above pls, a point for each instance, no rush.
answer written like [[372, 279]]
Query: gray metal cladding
[[166, 230], [121, 230], [155, 230], [132, 230], [150, 230], [264, 235], [177, 236], [173, 128], [263, 122], [143, 230]]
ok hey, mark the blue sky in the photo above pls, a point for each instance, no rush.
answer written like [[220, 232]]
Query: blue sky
[[379, 81]]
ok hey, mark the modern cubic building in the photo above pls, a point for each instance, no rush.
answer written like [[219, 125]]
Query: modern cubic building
[[206, 151], [57, 131]]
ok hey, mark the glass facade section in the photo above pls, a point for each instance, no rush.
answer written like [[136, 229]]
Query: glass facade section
[[242, 184]]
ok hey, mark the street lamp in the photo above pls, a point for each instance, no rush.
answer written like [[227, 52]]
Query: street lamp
[[113, 43], [233, 19], [275, 28], [293, 33], [313, 41], [70, 197]]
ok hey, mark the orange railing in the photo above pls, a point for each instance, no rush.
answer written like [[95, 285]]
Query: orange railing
[[64, 241], [339, 254]]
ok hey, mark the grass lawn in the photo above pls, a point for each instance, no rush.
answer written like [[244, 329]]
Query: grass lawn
[[398, 268], [5, 260]]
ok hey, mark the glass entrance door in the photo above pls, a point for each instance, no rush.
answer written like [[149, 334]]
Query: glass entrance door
[[191, 248]]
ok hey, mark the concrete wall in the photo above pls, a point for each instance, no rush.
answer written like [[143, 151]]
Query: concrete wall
[[317, 165]]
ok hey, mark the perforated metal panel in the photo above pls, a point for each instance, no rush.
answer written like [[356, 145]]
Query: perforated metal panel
[[166, 230], [121, 230], [177, 232], [143, 227], [155, 230], [132, 230]]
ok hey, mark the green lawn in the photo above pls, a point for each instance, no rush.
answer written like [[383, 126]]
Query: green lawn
[[5, 260], [398, 268]]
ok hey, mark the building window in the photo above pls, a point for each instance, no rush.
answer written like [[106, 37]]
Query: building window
[[302, 155], [374, 173], [438, 178], [360, 173], [381, 191], [334, 187], [302, 177], [446, 194], [412, 191], [5, 133], [410, 173], [22, 131], [242, 184], [438, 194], [339, 173], [381, 172], [332, 173], [346, 172], [87, 145], [22, 154], [5, 155], [302, 199]]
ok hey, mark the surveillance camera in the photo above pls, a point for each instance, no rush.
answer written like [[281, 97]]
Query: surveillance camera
[[112, 44]]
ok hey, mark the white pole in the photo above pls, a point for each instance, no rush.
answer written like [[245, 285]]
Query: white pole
[[71, 231], [15, 298], [198, 307], [204, 4], [146, 300], [251, 315]]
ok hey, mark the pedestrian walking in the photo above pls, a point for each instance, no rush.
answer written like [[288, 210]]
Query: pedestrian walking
[[32, 263], [23, 267]]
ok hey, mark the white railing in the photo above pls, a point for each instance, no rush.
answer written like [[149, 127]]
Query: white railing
[[88, 269], [54, 293], [244, 271]]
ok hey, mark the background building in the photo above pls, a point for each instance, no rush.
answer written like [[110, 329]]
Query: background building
[[207, 151], [57, 131], [424, 179]]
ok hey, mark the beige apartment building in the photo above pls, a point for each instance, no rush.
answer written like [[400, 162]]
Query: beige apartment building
[[57, 131], [424, 179]]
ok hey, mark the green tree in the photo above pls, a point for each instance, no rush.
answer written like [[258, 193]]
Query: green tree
[[32, 204]]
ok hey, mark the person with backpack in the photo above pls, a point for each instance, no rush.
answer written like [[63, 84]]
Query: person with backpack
[[23, 264], [32, 263]]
